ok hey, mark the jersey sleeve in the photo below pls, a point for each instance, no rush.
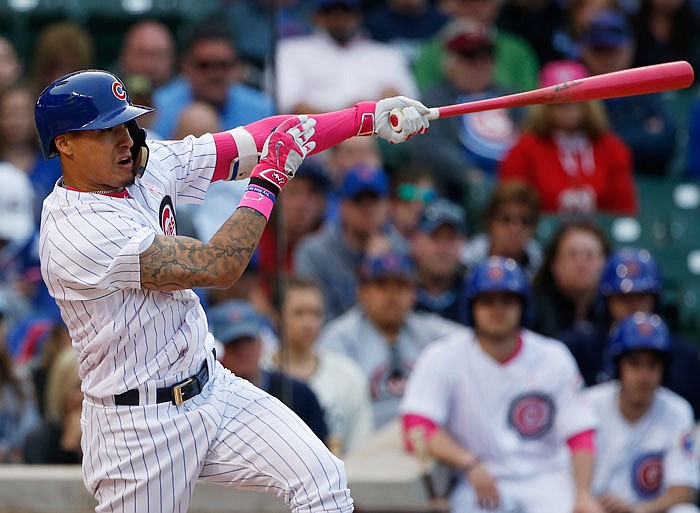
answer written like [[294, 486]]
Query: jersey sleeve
[[188, 165], [94, 250], [428, 391], [681, 464], [575, 413]]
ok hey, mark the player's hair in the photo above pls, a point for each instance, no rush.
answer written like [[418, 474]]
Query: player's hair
[[512, 191], [544, 278], [208, 29], [299, 283], [594, 124]]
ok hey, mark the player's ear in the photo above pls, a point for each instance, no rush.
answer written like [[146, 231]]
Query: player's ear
[[63, 143]]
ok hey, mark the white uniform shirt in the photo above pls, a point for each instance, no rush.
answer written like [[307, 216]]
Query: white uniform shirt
[[638, 461], [516, 416], [315, 69], [89, 249]]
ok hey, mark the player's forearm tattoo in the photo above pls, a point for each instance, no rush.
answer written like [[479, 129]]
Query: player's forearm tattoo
[[174, 263]]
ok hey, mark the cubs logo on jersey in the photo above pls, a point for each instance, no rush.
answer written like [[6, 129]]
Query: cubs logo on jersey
[[531, 414], [166, 215], [648, 474]]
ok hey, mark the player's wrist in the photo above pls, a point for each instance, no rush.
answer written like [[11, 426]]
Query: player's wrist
[[472, 462]]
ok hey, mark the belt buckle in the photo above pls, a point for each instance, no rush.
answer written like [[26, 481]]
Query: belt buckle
[[177, 391]]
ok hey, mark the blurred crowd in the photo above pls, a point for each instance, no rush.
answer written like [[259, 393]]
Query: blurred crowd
[[364, 263]]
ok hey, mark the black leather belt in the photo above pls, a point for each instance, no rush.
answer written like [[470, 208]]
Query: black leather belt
[[177, 393]]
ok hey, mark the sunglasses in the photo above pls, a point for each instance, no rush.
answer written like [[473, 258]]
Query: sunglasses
[[213, 65], [520, 220], [410, 192]]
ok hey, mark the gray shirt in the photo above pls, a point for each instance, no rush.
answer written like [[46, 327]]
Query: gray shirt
[[354, 335]]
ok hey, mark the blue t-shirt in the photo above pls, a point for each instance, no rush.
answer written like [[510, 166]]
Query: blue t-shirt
[[245, 104]]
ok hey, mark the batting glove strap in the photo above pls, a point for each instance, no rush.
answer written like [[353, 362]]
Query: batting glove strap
[[270, 180]]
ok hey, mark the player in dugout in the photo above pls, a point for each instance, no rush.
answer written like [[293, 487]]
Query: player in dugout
[[501, 405], [159, 411]]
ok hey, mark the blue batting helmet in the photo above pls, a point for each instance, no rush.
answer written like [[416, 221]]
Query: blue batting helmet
[[496, 274], [630, 270], [639, 331], [87, 100]]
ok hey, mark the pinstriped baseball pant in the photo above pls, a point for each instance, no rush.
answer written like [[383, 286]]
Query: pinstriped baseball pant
[[147, 459]]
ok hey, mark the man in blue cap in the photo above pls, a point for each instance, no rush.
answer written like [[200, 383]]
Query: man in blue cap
[[239, 328], [332, 256], [435, 247], [382, 332]]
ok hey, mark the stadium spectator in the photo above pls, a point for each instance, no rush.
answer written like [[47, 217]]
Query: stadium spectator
[[510, 219], [338, 382], [55, 339], [570, 156], [412, 188], [256, 25], [405, 24], [501, 406], [578, 14], [209, 74], [382, 333], [631, 281], [148, 50], [566, 285], [336, 65], [665, 31], [647, 459], [19, 144], [515, 61], [10, 66], [467, 148], [239, 329], [538, 22], [300, 213], [340, 159], [644, 122], [61, 48], [332, 257], [56, 440], [435, 247], [18, 410]]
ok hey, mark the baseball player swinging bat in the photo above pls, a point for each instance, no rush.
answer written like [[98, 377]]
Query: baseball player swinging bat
[[628, 82]]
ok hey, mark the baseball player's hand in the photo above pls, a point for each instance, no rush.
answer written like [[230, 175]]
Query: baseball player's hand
[[485, 487], [283, 152], [611, 504], [415, 121]]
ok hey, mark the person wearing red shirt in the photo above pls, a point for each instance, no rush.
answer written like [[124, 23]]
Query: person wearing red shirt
[[570, 156]]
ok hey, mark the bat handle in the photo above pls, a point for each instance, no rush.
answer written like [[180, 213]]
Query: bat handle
[[396, 117]]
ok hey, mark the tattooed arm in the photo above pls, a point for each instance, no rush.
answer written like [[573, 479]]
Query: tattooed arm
[[176, 263]]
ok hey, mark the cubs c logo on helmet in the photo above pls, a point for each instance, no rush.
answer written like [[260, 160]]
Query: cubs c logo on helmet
[[648, 474], [168, 222], [531, 414], [118, 90]]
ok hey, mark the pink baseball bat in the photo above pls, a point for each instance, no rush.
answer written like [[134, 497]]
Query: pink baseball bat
[[628, 82]]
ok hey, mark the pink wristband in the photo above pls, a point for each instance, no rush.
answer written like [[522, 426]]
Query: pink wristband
[[257, 201]]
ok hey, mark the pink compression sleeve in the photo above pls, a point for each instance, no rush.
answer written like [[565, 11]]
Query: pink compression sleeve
[[331, 128], [583, 441], [412, 421]]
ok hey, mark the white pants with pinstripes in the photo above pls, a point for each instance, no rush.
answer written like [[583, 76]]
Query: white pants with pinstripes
[[147, 459]]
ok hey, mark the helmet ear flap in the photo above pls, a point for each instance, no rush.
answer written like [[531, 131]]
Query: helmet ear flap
[[139, 151]]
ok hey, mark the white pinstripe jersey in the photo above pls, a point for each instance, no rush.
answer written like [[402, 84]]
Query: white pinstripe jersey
[[89, 248]]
